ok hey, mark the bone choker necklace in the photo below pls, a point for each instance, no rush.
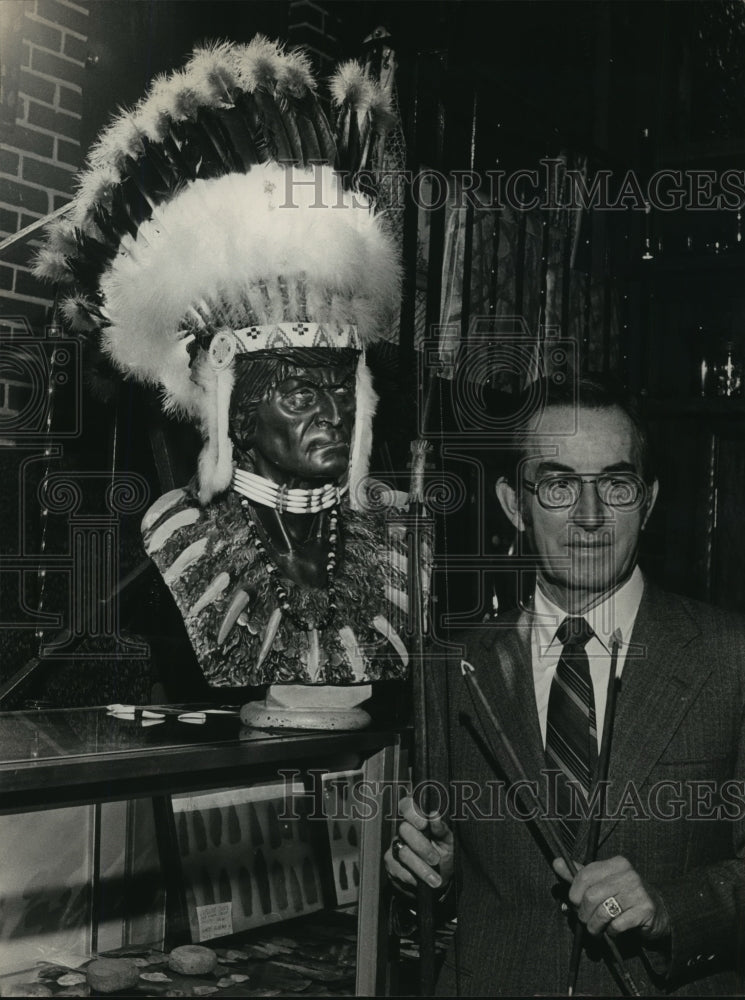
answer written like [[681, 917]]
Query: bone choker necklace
[[296, 501]]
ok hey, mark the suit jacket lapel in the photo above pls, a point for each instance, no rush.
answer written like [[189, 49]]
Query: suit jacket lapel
[[505, 675], [659, 683]]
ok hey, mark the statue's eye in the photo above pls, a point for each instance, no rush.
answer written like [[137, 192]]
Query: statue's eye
[[301, 398]]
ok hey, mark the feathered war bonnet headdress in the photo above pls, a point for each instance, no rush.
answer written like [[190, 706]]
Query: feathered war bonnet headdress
[[217, 218]]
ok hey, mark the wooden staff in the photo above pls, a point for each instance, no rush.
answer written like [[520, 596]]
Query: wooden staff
[[553, 841], [418, 624]]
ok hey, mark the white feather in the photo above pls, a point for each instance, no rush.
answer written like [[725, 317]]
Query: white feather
[[259, 63], [161, 505], [295, 75], [187, 558], [50, 265], [314, 654], [77, 312], [353, 651], [94, 186], [213, 591], [397, 597], [238, 603], [213, 67], [385, 628], [121, 139], [181, 519], [152, 114], [351, 85], [270, 634]]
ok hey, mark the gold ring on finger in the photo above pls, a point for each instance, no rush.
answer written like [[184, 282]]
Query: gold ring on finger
[[612, 907]]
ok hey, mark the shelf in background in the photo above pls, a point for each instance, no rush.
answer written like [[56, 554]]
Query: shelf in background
[[686, 263], [717, 406]]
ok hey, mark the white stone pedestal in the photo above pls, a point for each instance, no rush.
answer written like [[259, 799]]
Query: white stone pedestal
[[309, 706]]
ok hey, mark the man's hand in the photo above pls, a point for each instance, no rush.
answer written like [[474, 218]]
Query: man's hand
[[641, 905], [427, 850]]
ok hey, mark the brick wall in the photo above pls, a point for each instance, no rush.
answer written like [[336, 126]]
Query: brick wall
[[312, 25], [40, 141]]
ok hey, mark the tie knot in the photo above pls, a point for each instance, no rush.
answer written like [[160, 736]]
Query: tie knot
[[574, 631]]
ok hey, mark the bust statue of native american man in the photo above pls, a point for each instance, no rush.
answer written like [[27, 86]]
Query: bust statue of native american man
[[219, 254]]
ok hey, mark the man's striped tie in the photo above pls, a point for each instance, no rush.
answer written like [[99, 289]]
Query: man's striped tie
[[571, 731]]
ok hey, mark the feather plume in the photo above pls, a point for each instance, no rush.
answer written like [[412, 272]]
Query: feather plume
[[80, 313], [61, 237], [120, 140], [51, 265], [259, 63], [154, 112], [95, 186], [187, 102], [213, 72], [350, 85], [295, 75]]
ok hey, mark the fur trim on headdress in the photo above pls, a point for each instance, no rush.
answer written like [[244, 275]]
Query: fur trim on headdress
[[216, 459], [251, 229], [359, 455]]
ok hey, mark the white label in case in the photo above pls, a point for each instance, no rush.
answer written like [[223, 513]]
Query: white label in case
[[215, 920]]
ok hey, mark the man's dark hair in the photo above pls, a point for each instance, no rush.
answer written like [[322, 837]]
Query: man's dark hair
[[590, 392]]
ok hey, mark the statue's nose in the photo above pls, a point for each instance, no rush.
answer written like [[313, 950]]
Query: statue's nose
[[329, 411]]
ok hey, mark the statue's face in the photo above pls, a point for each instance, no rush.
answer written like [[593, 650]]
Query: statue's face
[[302, 431]]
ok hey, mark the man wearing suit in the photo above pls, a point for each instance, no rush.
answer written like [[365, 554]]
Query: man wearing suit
[[668, 881]]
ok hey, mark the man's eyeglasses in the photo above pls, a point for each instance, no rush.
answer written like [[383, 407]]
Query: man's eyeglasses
[[620, 490]]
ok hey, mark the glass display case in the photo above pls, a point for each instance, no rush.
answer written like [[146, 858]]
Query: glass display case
[[298, 837]]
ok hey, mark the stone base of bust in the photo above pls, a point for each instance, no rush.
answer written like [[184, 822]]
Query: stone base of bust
[[309, 706]]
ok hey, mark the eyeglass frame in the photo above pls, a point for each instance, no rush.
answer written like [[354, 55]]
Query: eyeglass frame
[[533, 488]]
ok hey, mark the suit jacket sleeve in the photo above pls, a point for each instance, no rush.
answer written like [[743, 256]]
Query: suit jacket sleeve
[[707, 905]]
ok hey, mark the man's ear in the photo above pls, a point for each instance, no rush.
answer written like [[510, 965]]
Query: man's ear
[[653, 490], [507, 496]]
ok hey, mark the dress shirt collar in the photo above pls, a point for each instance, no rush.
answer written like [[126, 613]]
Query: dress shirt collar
[[617, 611]]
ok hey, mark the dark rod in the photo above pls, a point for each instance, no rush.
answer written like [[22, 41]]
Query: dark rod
[[425, 893], [552, 840], [430, 75], [465, 309]]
